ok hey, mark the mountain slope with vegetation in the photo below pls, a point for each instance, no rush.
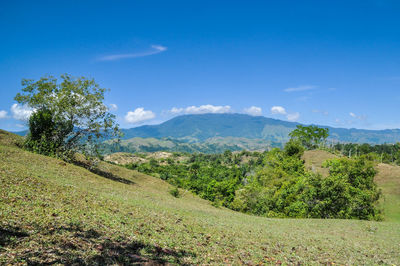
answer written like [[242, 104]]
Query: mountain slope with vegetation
[[55, 212], [205, 126], [211, 145]]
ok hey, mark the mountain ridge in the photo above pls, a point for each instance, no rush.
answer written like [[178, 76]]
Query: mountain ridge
[[200, 127]]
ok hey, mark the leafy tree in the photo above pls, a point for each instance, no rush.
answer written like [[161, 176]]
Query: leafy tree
[[46, 136], [310, 136], [69, 116], [294, 148]]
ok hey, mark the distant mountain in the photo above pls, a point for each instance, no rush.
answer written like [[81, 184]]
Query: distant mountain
[[199, 128], [20, 133], [234, 131], [211, 145]]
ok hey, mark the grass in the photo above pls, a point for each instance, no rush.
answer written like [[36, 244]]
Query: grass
[[388, 179], [314, 160], [54, 212]]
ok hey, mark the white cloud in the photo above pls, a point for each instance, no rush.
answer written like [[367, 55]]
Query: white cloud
[[21, 112], [360, 117], [154, 49], [320, 112], [113, 107], [202, 109], [253, 110], [293, 117], [3, 114], [278, 110], [139, 115], [300, 88], [175, 110], [159, 48]]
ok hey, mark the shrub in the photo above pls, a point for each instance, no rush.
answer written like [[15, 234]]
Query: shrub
[[175, 192], [46, 135]]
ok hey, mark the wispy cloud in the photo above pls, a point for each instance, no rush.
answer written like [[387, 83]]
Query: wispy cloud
[[154, 49], [202, 109], [3, 114], [112, 107], [279, 110], [300, 88], [320, 112], [360, 117], [293, 117]]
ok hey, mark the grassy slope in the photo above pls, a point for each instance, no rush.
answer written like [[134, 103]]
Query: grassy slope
[[388, 178], [56, 212], [314, 160]]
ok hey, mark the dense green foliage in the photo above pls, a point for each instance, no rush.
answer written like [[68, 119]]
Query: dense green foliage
[[47, 136], [283, 188], [274, 183], [310, 137], [68, 116], [214, 177]]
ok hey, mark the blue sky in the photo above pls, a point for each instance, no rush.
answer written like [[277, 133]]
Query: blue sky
[[333, 63]]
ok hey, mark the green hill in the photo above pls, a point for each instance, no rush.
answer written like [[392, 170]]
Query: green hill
[[205, 126], [53, 212], [211, 145]]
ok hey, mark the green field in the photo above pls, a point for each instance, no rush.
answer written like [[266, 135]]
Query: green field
[[54, 212]]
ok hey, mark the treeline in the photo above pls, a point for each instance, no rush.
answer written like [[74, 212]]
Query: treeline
[[384, 153], [215, 177], [276, 183]]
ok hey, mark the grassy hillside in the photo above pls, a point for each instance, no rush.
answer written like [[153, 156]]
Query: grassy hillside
[[314, 160], [53, 212], [212, 145], [388, 179]]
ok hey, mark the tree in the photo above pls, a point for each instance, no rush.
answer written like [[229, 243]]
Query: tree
[[70, 113], [310, 136], [294, 148], [46, 136]]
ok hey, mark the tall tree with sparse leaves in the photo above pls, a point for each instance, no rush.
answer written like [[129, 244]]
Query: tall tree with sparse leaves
[[69, 115]]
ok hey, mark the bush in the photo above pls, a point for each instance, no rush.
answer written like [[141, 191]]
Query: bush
[[294, 148], [47, 136], [175, 192]]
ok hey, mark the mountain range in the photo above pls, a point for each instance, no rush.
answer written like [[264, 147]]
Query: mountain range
[[201, 127], [214, 133]]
